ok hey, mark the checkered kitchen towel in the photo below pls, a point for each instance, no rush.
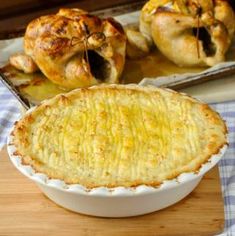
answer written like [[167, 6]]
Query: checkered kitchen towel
[[9, 113], [227, 166]]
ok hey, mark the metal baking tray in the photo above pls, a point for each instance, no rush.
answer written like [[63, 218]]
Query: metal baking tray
[[166, 75]]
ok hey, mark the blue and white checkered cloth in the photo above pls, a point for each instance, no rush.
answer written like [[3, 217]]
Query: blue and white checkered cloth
[[227, 166], [9, 111]]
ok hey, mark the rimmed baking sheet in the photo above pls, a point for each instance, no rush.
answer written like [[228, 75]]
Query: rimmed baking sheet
[[155, 69]]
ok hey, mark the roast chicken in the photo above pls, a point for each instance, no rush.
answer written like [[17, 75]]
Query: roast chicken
[[73, 49], [189, 32]]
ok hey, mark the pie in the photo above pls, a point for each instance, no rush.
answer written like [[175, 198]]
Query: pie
[[118, 135]]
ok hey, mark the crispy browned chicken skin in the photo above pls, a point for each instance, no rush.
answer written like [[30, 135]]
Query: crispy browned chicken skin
[[73, 49], [189, 32]]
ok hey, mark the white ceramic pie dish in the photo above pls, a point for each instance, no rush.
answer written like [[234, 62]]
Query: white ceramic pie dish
[[114, 202]]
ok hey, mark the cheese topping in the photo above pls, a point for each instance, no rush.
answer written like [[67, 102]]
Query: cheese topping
[[119, 136]]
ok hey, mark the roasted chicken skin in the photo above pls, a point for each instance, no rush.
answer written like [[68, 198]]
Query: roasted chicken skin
[[23, 62], [189, 32], [74, 49]]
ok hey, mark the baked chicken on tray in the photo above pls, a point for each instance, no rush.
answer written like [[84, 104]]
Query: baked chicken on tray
[[189, 32], [73, 49]]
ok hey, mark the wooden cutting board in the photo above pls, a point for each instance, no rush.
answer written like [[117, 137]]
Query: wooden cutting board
[[24, 210]]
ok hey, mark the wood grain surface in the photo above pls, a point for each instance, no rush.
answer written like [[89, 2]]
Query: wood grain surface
[[24, 210]]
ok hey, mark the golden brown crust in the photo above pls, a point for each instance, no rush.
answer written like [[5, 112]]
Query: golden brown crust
[[61, 44], [119, 136], [137, 45], [189, 33], [23, 62]]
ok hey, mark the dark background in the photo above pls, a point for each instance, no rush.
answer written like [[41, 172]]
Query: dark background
[[16, 14]]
